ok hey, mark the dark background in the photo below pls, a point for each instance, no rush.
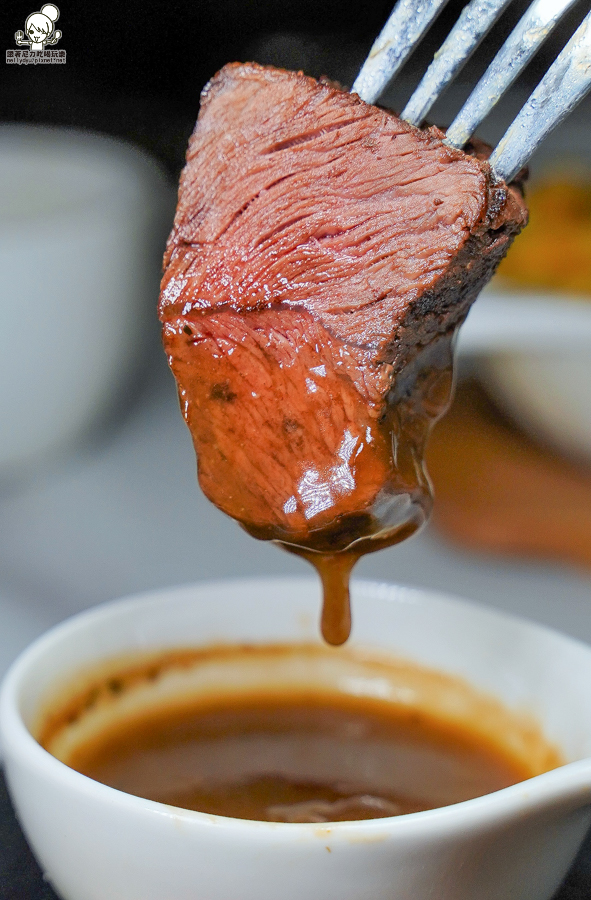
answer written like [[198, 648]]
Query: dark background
[[136, 69]]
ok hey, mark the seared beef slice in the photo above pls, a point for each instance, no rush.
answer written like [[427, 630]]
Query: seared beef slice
[[319, 245]]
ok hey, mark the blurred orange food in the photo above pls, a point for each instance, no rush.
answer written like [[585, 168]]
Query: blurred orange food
[[496, 490], [554, 251]]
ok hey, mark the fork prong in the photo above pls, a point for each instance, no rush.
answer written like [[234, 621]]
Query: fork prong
[[407, 24], [525, 39], [474, 23], [565, 84]]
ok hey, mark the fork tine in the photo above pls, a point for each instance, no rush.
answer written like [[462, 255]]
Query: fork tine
[[565, 84], [474, 23], [407, 24], [525, 39]]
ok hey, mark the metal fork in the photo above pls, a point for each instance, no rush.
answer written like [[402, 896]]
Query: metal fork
[[564, 85]]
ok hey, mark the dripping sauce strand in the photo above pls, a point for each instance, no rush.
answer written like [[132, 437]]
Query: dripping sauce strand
[[334, 570]]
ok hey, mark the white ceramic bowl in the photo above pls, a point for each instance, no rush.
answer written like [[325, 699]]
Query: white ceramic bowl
[[83, 222], [96, 843]]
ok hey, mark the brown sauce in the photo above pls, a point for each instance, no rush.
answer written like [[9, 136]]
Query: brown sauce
[[297, 759], [335, 570], [296, 752], [420, 396]]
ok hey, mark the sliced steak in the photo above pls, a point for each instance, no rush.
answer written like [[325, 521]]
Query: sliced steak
[[322, 256]]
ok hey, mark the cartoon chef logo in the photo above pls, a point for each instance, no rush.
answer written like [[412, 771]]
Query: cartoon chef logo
[[40, 29]]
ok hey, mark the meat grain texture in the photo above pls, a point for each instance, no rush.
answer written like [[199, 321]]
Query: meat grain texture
[[323, 254]]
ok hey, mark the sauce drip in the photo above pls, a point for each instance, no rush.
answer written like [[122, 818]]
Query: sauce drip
[[334, 571], [421, 395], [340, 474]]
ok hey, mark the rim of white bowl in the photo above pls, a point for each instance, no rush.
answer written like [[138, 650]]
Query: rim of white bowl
[[559, 786]]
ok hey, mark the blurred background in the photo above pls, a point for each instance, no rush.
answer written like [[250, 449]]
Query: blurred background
[[98, 492]]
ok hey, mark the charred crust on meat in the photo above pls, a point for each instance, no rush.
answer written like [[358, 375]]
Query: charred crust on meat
[[222, 391], [290, 425]]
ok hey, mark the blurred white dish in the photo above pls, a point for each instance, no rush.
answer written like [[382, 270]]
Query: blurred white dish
[[97, 843], [537, 346], [83, 220], [508, 318], [526, 321], [549, 394]]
